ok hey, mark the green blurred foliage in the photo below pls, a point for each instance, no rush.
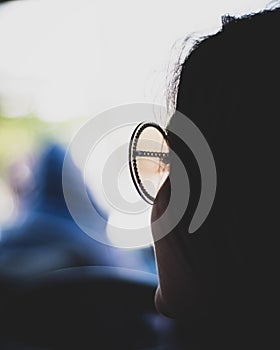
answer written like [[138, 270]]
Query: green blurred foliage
[[27, 135], [18, 136]]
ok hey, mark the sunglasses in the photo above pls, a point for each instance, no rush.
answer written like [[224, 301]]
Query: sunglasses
[[149, 159]]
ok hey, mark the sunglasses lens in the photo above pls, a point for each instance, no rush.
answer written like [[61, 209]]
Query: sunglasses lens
[[149, 164]]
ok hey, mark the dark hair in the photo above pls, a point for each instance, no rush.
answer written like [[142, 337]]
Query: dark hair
[[190, 44], [229, 87]]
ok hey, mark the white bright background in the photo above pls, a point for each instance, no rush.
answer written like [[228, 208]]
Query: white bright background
[[64, 59]]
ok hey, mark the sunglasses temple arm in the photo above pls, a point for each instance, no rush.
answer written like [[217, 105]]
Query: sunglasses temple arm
[[161, 155]]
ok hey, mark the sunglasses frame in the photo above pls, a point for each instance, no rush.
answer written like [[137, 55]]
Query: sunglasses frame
[[132, 157]]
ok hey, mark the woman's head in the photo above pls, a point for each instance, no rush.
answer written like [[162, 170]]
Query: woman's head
[[229, 86]]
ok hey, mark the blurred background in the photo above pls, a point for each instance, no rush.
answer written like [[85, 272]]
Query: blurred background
[[61, 63]]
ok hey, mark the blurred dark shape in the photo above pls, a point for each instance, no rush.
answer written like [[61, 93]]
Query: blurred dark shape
[[45, 237], [61, 289], [88, 308], [5, 1]]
